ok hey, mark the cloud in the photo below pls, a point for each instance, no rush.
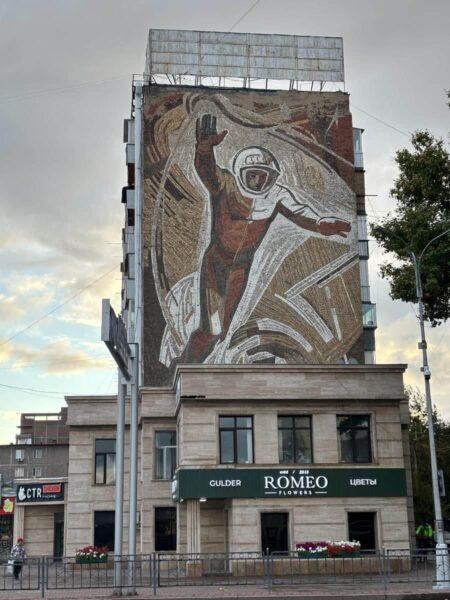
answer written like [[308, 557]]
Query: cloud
[[8, 421], [60, 357], [397, 343]]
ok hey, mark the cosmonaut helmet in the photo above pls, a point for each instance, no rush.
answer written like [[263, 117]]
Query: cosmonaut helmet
[[256, 168]]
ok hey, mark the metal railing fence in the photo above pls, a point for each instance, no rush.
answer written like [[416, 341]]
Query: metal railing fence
[[120, 571], [231, 568], [29, 578], [387, 569]]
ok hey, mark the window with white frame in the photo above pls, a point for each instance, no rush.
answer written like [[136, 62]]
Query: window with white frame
[[19, 472], [165, 454], [37, 453], [37, 471], [20, 454]]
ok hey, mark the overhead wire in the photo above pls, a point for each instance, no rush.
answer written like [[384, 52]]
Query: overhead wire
[[53, 310], [33, 390], [247, 12], [66, 88], [381, 120]]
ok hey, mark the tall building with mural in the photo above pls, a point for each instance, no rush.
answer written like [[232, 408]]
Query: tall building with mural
[[264, 420]]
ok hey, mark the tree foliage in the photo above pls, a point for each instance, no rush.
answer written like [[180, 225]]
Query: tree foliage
[[422, 194], [420, 457]]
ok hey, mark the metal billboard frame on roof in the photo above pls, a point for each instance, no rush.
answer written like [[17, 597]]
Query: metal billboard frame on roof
[[199, 54]]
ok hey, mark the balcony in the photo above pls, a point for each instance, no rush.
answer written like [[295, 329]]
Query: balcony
[[363, 249], [369, 314], [357, 148], [359, 160], [365, 293]]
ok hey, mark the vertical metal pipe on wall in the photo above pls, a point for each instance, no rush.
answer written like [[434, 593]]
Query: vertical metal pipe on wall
[[138, 217], [136, 361], [118, 515]]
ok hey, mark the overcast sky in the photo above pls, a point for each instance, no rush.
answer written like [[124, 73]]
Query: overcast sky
[[66, 69]]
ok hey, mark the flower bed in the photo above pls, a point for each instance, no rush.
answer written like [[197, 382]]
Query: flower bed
[[328, 549], [91, 554]]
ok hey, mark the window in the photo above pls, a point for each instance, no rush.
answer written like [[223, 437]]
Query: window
[[20, 455], [130, 217], [19, 472], [104, 528], [165, 529], [354, 434], [236, 439], [105, 462], [294, 439], [37, 472], [165, 454], [37, 453], [361, 528]]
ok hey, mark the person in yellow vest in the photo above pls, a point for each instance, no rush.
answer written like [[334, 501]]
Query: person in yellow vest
[[425, 536]]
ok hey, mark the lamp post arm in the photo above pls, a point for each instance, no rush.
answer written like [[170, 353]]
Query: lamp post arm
[[431, 241]]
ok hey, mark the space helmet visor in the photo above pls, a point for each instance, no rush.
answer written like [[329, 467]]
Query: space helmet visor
[[258, 178]]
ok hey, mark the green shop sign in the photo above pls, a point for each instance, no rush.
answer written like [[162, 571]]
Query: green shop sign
[[288, 483]]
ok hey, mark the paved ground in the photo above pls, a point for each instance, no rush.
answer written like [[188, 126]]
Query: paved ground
[[242, 592]]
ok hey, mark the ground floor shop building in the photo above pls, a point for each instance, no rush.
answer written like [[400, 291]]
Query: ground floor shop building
[[244, 458]]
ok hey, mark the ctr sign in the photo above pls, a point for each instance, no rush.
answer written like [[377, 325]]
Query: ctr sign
[[40, 492]]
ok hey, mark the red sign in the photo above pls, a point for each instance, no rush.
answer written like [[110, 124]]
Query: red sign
[[7, 506], [51, 488]]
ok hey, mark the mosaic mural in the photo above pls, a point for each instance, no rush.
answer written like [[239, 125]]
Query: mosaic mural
[[250, 234]]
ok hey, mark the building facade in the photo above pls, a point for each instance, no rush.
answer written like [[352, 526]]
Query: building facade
[[263, 418], [39, 455], [242, 458]]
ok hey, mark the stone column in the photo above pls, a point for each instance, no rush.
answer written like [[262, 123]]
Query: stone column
[[193, 526], [193, 564], [19, 522]]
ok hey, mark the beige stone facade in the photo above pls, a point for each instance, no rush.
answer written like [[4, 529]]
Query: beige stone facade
[[192, 407], [41, 522]]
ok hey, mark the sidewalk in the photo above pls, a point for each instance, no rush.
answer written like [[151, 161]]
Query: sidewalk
[[242, 592]]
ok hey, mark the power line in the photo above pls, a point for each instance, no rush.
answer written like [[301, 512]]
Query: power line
[[381, 120], [53, 310], [244, 15], [33, 390], [66, 88]]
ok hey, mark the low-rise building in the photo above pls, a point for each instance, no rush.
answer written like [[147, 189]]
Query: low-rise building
[[235, 458], [40, 455]]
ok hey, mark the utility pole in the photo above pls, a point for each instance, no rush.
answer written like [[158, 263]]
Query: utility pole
[[115, 336], [118, 514], [442, 560]]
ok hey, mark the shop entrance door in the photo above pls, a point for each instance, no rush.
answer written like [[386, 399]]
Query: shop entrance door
[[58, 535], [274, 532]]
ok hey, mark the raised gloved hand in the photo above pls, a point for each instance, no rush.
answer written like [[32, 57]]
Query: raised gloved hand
[[206, 131]]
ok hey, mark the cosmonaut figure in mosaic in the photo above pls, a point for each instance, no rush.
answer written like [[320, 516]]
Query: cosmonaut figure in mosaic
[[244, 201], [250, 233]]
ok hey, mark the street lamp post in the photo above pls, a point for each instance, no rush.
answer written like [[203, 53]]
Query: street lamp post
[[442, 561]]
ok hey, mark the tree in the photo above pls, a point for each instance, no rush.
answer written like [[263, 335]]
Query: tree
[[422, 192], [420, 457]]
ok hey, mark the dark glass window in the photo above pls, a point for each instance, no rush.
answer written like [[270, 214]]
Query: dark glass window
[[236, 439], [294, 439], [165, 529], [361, 528], [274, 532], [165, 454], [354, 436], [105, 462], [104, 528]]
